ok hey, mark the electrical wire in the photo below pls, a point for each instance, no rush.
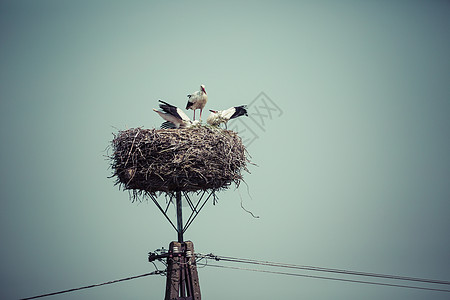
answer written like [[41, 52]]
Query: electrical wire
[[200, 257], [329, 270], [95, 285], [321, 269], [332, 278]]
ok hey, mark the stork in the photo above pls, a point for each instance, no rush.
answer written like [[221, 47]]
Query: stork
[[223, 116], [174, 116], [197, 100]]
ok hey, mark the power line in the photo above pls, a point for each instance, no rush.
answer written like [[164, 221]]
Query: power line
[[330, 278], [281, 265], [95, 285], [321, 269], [329, 270]]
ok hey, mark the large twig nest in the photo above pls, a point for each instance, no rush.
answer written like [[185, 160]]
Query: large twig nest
[[170, 160]]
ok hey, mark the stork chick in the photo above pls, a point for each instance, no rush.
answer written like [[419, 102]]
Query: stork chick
[[174, 116], [223, 116]]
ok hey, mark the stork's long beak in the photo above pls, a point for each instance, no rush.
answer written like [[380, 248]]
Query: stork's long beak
[[213, 111]]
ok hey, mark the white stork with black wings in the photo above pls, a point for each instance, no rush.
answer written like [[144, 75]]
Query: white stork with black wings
[[197, 100], [174, 116], [223, 116]]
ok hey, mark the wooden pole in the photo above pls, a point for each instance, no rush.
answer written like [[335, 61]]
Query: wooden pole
[[182, 277]]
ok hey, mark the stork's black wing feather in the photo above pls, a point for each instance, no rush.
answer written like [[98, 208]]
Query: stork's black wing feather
[[167, 125], [170, 109], [240, 111]]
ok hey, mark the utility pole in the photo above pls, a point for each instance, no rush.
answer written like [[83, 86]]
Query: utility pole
[[182, 277]]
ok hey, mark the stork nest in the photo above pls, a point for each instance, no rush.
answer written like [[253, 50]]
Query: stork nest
[[195, 159]]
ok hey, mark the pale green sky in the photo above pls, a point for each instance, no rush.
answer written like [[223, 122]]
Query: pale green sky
[[353, 175]]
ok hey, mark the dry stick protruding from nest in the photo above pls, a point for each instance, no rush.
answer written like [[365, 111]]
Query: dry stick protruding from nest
[[169, 160]]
